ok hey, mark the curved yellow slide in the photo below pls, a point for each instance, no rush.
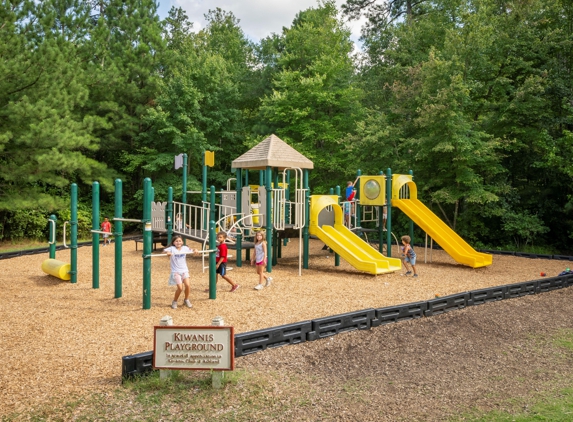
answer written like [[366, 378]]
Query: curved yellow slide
[[349, 246], [448, 239]]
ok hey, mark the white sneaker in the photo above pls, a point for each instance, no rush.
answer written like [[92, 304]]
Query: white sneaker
[[174, 304], [188, 303], [259, 287], [269, 280]]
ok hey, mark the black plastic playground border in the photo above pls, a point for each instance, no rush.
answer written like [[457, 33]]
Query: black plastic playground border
[[15, 254], [316, 329]]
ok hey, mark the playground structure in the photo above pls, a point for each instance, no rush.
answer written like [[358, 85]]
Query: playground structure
[[281, 205]]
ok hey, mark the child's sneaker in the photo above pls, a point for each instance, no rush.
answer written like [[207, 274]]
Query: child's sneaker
[[174, 304], [259, 287], [188, 303], [269, 281], [235, 287], [415, 275]]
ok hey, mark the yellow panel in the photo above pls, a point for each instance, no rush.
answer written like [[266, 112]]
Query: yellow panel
[[373, 190], [210, 158]]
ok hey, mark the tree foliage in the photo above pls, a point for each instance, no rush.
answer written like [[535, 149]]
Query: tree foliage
[[476, 97]]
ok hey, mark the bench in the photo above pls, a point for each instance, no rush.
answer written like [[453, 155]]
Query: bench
[[158, 239]]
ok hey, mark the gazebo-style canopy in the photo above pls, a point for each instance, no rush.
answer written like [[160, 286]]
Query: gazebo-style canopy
[[272, 152]]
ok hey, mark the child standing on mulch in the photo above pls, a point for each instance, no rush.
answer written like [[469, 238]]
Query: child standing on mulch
[[106, 227], [221, 258], [260, 259], [177, 253], [409, 256]]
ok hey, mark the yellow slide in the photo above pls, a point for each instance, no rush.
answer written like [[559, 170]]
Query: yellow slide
[[448, 239], [344, 242]]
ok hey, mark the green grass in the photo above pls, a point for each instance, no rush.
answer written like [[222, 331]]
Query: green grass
[[556, 408]]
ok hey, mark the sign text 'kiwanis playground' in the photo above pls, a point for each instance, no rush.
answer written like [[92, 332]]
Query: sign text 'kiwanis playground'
[[194, 348]]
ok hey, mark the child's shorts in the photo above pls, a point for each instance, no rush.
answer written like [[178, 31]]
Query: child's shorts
[[261, 263], [411, 260], [177, 278], [222, 268]]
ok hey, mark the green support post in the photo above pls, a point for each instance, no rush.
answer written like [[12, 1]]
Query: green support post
[[275, 239], [357, 204], [287, 210], [307, 222], [381, 224], [147, 241], [52, 237], [411, 173], [239, 196], [118, 236], [389, 213], [74, 234], [204, 194], [336, 256], [268, 219], [184, 188], [212, 261], [95, 236], [212, 211], [169, 215]]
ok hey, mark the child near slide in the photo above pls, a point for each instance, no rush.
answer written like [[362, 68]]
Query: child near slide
[[177, 253], [409, 256], [260, 260]]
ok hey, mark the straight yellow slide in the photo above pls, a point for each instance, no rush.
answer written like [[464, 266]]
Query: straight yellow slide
[[448, 239], [345, 243]]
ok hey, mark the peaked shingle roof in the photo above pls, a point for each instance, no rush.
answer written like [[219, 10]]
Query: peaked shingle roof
[[272, 152]]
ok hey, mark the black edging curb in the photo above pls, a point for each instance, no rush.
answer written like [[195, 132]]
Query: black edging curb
[[257, 341], [15, 254]]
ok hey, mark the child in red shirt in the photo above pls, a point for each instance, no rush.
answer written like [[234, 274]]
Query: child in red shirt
[[221, 258], [106, 227]]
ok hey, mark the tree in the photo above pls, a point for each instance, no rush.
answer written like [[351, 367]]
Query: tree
[[315, 104], [45, 143]]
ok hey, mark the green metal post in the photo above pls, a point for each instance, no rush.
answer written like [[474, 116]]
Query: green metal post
[[118, 235], [52, 237], [287, 209], [239, 197], [389, 212], [357, 204], [411, 173], [268, 219], [147, 241], [212, 261], [307, 222], [184, 188], [204, 194], [213, 211], [275, 239], [381, 224], [169, 215], [95, 236], [74, 234], [336, 256]]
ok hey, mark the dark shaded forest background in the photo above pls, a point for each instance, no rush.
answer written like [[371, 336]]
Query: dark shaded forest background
[[474, 96]]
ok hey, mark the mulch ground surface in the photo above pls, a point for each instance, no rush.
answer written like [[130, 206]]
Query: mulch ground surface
[[59, 339]]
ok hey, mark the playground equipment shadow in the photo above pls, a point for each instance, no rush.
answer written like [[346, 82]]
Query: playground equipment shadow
[[75, 335]]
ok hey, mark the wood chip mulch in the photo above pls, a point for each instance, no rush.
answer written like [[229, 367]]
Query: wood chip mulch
[[58, 338]]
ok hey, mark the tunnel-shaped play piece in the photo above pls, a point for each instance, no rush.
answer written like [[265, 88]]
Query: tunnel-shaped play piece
[[57, 269]]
